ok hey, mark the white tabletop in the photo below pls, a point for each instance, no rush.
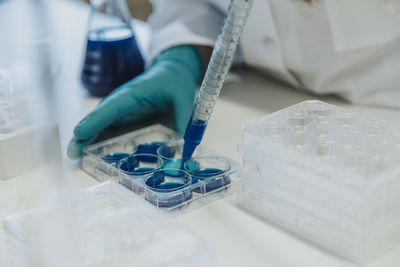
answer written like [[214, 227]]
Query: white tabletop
[[239, 237]]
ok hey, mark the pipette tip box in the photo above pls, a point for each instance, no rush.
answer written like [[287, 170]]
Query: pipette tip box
[[327, 174], [101, 226], [102, 161]]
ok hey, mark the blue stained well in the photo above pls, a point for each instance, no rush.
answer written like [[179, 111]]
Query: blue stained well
[[112, 58], [131, 166], [172, 164], [167, 151], [137, 171], [149, 148], [143, 170], [211, 184], [163, 186], [169, 185], [114, 157]]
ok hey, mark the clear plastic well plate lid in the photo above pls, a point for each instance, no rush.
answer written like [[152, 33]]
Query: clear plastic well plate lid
[[105, 225], [342, 146]]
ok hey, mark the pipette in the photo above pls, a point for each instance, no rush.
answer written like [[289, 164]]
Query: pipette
[[220, 61]]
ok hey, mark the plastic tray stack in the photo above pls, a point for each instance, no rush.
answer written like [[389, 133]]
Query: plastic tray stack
[[330, 175], [94, 164], [105, 225]]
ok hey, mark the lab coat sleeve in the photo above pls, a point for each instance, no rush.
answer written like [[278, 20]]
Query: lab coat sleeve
[[178, 22]]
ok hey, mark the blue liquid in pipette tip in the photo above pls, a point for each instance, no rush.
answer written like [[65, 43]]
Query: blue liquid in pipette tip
[[193, 135], [112, 58]]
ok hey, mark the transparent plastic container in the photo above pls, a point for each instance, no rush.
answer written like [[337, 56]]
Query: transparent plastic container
[[96, 158], [137, 167], [7, 115], [361, 248], [168, 145], [209, 173], [106, 225], [101, 161], [347, 151], [327, 174], [368, 211], [168, 188], [5, 84]]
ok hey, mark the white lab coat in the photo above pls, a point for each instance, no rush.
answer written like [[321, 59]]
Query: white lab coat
[[346, 47]]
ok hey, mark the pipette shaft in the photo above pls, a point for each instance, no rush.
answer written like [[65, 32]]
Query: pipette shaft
[[221, 59]]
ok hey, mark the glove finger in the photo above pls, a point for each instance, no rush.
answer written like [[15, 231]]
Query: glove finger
[[75, 147], [130, 102], [105, 114], [96, 121]]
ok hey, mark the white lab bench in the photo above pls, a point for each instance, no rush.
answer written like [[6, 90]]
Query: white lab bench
[[239, 237]]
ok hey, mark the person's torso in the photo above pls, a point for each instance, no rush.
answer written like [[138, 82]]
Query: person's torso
[[351, 48]]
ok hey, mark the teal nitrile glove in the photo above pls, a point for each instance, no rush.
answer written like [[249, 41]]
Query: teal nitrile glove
[[169, 84]]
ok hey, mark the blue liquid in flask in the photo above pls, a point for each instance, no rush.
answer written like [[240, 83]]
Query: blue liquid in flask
[[112, 58]]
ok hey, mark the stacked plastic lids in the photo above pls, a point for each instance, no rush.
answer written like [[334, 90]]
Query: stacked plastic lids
[[327, 174], [105, 225]]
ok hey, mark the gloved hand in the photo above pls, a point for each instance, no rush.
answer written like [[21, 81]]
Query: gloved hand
[[169, 84]]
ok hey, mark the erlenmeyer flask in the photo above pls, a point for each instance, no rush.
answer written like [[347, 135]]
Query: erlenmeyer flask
[[112, 54]]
